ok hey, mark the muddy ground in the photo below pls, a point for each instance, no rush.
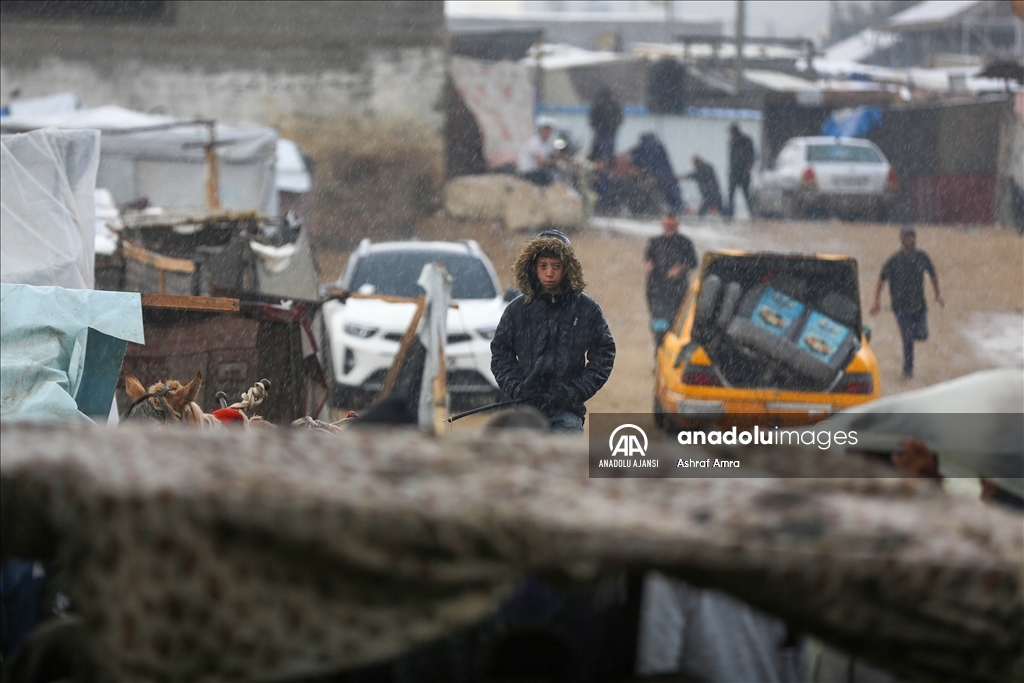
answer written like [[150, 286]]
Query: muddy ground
[[981, 272]]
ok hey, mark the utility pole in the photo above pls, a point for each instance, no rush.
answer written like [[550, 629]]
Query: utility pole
[[741, 15], [670, 22]]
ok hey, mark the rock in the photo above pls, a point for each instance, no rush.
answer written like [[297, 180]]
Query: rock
[[479, 197], [563, 207], [524, 206], [519, 205]]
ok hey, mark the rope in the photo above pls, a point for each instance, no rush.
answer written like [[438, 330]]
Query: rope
[[312, 424], [251, 398]]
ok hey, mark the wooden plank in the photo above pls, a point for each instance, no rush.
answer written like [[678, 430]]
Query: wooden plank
[[344, 294], [190, 303], [403, 349], [138, 253], [440, 393]]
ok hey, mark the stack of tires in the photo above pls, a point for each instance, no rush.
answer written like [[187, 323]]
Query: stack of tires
[[815, 343]]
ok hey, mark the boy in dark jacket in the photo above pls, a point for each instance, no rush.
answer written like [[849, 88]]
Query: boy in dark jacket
[[552, 347]]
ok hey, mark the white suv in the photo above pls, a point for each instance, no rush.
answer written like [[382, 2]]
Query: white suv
[[846, 176], [364, 334]]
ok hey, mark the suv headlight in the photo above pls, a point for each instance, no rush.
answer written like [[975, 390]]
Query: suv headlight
[[487, 332], [360, 331]]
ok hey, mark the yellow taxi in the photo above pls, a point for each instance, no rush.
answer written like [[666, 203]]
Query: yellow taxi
[[766, 336]]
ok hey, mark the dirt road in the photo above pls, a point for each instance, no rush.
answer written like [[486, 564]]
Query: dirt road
[[981, 272]]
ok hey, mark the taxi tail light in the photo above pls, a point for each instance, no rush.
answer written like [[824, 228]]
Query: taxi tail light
[[808, 178], [700, 376], [892, 181], [856, 383]]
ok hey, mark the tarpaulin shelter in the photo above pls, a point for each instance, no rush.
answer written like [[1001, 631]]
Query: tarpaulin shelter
[[62, 341], [500, 96], [165, 160], [47, 179]]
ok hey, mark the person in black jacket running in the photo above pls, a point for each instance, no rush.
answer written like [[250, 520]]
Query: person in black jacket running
[[552, 348]]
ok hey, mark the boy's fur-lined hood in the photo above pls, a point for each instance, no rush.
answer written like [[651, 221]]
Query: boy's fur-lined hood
[[524, 269]]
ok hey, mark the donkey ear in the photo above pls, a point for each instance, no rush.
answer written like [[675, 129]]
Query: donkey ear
[[182, 396], [191, 390], [133, 386]]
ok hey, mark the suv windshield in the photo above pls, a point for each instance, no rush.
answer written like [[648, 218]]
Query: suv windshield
[[827, 153], [394, 273]]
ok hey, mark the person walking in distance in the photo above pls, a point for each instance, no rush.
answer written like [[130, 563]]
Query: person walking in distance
[[741, 165], [668, 260], [552, 348], [905, 271], [707, 183]]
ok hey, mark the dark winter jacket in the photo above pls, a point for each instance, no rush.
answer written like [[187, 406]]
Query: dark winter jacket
[[552, 348], [741, 156], [651, 157], [605, 114]]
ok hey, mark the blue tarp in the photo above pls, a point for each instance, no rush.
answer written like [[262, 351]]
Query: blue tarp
[[852, 123], [43, 347]]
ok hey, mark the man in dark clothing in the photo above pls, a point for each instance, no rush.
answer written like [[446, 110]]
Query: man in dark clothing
[[905, 272], [605, 119], [741, 164], [651, 157], [668, 260], [552, 348], [707, 182]]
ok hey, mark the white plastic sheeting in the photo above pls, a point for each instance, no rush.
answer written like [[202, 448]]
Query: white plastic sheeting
[[291, 173], [163, 159], [47, 181], [51, 105], [930, 12], [437, 284], [108, 223]]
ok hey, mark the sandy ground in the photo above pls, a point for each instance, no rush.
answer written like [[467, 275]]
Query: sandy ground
[[981, 273]]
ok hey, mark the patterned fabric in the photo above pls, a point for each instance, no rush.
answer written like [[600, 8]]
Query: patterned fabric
[[242, 554], [500, 97]]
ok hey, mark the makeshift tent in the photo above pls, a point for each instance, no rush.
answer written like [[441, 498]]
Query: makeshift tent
[[61, 350], [164, 160], [47, 180], [500, 97], [60, 346]]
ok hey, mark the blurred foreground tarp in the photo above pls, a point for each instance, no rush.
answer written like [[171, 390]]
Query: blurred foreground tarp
[[266, 554], [974, 424]]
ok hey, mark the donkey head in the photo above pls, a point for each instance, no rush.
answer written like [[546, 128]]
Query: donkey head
[[162, 402]]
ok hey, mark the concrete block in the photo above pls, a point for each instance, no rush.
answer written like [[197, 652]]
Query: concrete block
[[563, 207]]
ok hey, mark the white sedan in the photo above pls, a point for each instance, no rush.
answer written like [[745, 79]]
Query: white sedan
[[823, 175], [363, 334]]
